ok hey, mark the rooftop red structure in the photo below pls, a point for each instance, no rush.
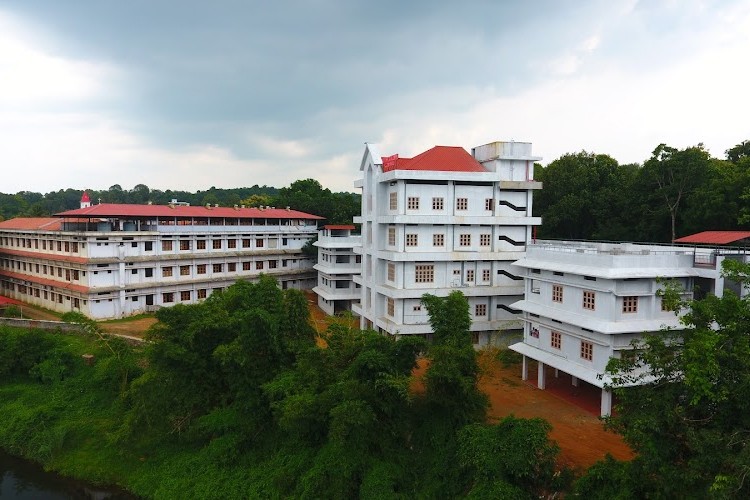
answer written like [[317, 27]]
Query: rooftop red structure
[[714, 237], [436, 159], [127, 210]]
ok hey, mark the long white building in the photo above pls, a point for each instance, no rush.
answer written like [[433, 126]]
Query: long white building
[[441, 221], [585, 302], [114, 260], [337, 265]]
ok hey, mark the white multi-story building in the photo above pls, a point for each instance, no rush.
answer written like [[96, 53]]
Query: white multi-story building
[[114, 260], [337, 265], [441, 221], [585, 302]]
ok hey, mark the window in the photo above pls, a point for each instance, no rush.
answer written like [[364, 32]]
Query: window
[[485, 274], [184, 244], [589, 278], [245, 243], [391, 236], [630, 304], [166, 272], [184, 270], [148, 246], [76, 274], [167, 297], [200, 269], [484, 240], [424, 273], [166, 246], [587, 350], [73, 246], [185, 295], [201, 293], [273, 264], [232, 243], [417, 308], [438, 240], [217, 268], [259, 265], [480, 310], [437, 204], [391, 271], [259, 243], [464, 240], [557, 293], [412, 203], [411, 240], [246, 266], [589, 300], [148, 272], [462, 203], [216, 244], [469, 275], [555, 340], [232, 267], [488, 203], [200, 244], [389, 306], [393, 201]]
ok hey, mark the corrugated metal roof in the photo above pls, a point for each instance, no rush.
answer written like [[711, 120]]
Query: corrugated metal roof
[[338, 226], [714, 237], [438, 159], [36, 223], [126, 210]]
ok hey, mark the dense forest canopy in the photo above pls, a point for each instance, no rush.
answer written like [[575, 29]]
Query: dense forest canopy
[[306, 195], [674, 193]]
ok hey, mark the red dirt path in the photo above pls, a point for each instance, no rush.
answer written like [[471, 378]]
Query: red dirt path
[[575, 426]]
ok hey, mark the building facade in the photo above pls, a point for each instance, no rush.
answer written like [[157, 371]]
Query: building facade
[[114, 260], [337, 265], [585, 302], [442, 221]]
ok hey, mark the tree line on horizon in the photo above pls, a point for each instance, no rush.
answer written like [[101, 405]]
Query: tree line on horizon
[[586, 196], [306, 195], [676, 192]]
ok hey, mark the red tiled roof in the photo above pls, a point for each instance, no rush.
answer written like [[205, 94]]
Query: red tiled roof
[[126, 210], [36, 223], [5, 301], [438, 159], [714, 237], [338, 226], [44, 256], [63, 285]]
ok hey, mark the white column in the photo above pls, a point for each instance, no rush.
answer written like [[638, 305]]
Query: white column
[[574, 380], [540, 376], [557, 373], [525, 368], [606, 407]]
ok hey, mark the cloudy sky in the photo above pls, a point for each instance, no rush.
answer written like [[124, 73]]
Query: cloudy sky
[[191, 94]]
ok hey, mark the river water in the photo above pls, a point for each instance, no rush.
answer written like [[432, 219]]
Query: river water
[[24, 480]]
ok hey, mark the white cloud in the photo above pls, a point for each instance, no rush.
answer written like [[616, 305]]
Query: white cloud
[[33, 78]]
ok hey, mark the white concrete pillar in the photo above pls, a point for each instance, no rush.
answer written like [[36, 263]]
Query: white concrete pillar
[[540, 376], [574, 380], [557, 373], [606, 407], [525, 368]]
